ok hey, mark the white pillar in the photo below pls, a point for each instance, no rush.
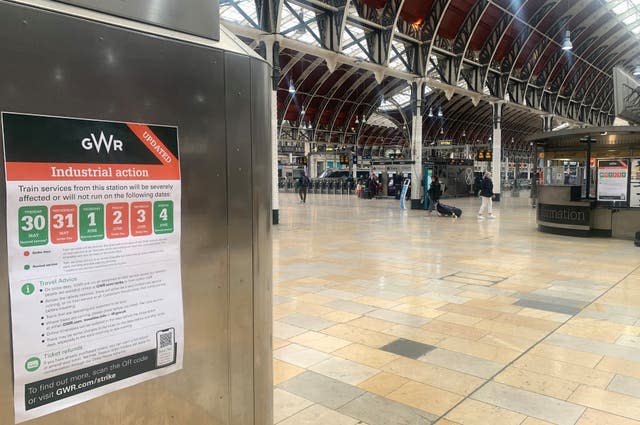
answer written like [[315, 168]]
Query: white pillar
[[313, 166], [272, 52], [275, 196], [496, 163], [307, 150], [354, 165], [416, 146]]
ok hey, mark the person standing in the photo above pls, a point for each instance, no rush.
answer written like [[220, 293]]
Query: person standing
[[477, 185], [486, 194], [434, 192], [373, 187], [302, 190]]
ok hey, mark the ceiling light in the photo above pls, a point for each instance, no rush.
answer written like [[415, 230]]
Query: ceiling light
[[440, 112], [636, 71], [357, 120], [302, 111], [441, 131], [464, 134], [566, 44], [292, 89], [430, 112]]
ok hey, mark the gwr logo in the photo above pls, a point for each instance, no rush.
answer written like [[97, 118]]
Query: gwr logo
[[109, 144]]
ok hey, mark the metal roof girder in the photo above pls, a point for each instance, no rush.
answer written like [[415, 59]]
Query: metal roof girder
[[622, 47], [363, 77], [330, 26], [537, 53], [595, 36], [290, 96], [269, 14], [605, 53], [467, 30], [327, 97], [460, 107], [599, 77], [430, 31], [525, 35]]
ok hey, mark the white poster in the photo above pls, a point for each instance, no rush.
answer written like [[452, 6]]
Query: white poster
[[93, 234], [634, 196], [613, 180]]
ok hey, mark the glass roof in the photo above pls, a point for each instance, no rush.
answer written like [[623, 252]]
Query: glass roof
[[355, 42], [299, 23], [628, 11], [381, 121], [397, 101], [397, 59], [240, 12]]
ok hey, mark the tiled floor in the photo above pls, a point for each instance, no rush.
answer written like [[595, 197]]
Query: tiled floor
[[389, 317]]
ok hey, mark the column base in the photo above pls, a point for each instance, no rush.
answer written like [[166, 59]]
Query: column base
[[276, 216], [496, 197], [416, 204]]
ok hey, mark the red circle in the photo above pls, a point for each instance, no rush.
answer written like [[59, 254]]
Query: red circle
[[26, 253]]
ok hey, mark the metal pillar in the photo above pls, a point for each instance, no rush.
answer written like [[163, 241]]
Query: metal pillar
[[272, 56], [385, 181], [547, 123], [307, 155], [496, 163], [588, 140], [417, 91]]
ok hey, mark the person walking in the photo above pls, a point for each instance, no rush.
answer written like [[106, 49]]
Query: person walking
[[434, 192], [486, 194], [302, 190]]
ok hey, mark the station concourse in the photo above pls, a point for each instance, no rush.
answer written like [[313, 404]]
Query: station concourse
[[320, 212], [384, 316]]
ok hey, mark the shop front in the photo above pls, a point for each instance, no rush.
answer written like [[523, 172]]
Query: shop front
[[589, 181]]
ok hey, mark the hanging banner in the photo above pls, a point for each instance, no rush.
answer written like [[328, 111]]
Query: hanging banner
[[634, 197], [613, 180], [93, 235]]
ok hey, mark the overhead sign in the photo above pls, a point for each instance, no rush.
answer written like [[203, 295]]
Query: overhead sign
[[626, 95], [484, 155], [93, 235], [613, 180]]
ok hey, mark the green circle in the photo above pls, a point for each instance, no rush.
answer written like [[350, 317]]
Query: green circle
[[28, 288], [32, 364], [27, 267]]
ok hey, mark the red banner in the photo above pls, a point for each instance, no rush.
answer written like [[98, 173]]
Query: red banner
[[33, 171]]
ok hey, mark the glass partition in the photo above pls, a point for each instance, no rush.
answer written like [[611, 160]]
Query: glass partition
[[563, 175]]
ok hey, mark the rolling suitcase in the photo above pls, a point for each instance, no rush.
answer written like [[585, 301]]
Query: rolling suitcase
[[448, 210]]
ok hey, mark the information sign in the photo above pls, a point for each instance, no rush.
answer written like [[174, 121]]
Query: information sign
[[634, 184], [93, 236], [613, 180]]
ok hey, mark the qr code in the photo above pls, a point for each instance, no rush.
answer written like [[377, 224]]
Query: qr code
[[166, 340]]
